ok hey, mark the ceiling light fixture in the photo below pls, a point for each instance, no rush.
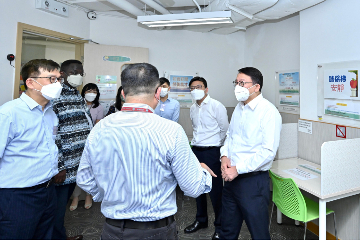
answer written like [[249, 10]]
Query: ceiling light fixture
[[186, 19]]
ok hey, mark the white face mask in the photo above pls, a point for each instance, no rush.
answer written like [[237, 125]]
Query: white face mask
[[50, 91], [164, 92], [242, 94], [75, 80], [90, 97], [197, 94]]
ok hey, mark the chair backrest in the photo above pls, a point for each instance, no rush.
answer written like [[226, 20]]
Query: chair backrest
[[288, 198]]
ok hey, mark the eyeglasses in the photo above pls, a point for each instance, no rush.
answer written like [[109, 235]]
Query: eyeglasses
[[196, 87], [52, 79], [241, 83]]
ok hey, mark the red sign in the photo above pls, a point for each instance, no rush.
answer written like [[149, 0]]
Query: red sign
[[340, 131]]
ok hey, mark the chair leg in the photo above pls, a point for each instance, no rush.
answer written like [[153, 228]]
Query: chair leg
[[272, 210], [335, 227], [305, 230]]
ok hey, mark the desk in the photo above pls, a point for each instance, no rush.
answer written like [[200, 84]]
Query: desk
[[312, 186]]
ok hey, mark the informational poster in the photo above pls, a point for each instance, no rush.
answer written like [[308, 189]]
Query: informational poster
[[341, 84], [289, 82], [180, 89], [292, 100], [107, 86], [305, 126], [342, 108]]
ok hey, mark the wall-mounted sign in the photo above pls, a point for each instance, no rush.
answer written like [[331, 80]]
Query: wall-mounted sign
[[341, 84], [289, 82], [107, 86], [292, 100], [340, 131], [116, 59], [305, 126]]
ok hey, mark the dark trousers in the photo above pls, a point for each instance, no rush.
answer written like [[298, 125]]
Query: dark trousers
[[246, 198], [111, 232], [63, 194], [211, 157], [27, 213]]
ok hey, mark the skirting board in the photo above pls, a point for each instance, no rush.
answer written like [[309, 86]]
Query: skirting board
[[312, 227]]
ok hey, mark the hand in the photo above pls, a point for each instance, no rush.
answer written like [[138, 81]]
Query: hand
[[60, 177], [229, 174], [225, 163], [203, 165]]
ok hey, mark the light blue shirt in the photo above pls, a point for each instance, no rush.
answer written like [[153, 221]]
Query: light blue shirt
[[170, 109], [132, 162], [28, 154]]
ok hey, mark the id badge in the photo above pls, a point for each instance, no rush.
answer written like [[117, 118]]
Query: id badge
[[162, 108]]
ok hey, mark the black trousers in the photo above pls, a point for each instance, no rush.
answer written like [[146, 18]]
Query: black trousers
[[120, 233], [211, 157], [246, 198], [27, 213], [63, 194]]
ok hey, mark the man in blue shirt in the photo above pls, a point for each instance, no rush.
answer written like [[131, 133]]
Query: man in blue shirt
[[167, 108], [29, 156]]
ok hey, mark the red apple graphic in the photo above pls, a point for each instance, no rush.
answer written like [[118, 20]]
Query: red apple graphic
[[353, 83]]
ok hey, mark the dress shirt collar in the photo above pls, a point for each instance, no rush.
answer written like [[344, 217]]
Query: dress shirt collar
[[206, 100], [31, 103], [253, 103], [139, 105], [167, 100]]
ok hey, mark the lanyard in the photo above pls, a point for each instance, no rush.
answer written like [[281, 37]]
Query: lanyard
[[135, 109]]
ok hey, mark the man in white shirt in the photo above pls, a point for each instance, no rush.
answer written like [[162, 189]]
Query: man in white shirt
[[133, 161], [247, 155], [210, 123]]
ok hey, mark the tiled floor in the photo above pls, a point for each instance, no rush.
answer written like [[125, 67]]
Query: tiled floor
[[89, 223]]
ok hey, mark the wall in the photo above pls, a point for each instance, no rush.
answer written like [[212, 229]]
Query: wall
[[328, 33], [14, 11], [274, 46], [215, 57]]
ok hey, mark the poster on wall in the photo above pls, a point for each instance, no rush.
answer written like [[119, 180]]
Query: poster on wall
[[107, 85], [341, 84], [180, 89], [291, 100], [289, 82], [342, 108]]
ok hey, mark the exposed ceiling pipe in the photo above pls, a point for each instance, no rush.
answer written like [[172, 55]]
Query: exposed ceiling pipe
[[127, 7], [156, 6], [239, 11], [197, 5]]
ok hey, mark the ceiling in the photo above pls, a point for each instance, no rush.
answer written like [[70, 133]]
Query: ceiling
[[253, 10]]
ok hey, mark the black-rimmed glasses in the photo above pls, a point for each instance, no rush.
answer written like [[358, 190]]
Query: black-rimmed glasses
[[52, 79], [241, 83]]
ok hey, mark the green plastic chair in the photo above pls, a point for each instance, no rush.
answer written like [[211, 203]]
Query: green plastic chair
[[290, 201]]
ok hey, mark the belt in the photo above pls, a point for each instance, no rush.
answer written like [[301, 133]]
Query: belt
[[127, 223], [202, 148], [41, 185], [249, 174]]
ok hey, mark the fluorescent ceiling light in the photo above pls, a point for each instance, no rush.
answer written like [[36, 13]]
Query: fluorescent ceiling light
[[186, 19]]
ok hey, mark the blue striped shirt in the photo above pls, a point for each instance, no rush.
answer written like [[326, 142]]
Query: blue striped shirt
[[28, 154], [133, 161]]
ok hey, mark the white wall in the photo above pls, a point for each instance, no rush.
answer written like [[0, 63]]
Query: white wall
[[24, 11], [329, 32], [216, 57], [273, 46]]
